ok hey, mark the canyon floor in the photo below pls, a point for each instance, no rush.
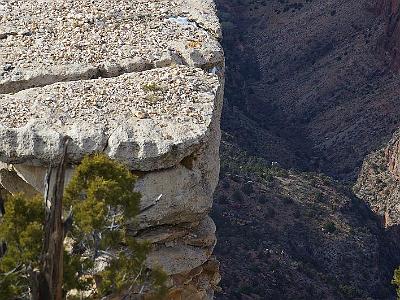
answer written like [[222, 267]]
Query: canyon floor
[[310, 92]]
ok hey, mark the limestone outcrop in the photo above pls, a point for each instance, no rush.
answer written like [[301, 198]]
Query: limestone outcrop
[[141, 81], [379, 182], [390, 11]]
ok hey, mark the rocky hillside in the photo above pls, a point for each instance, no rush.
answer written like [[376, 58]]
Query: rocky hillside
[[302, 236], [312, 91], [310, 78], [139, 81], [379, 182], [390, 42]]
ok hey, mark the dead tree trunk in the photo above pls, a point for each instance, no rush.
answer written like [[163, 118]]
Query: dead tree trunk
[[3, 245], [53, 250]]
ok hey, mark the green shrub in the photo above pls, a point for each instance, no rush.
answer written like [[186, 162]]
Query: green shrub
[[237, 196], [287, 200], [262, 199], [151, 87], [330, 227], [396, 281], [349, 291], [225, 184], [103, 203], [248, 188], [319, 197], [270, 213], [223, 199]]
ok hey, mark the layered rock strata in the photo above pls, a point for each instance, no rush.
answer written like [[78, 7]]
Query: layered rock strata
[[141, 81], [390, 11], [379, 182]]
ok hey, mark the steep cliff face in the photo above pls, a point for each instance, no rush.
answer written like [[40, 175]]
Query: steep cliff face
[[379, 182], [140, 81], [304, 236], [390, 11], [307, 86]]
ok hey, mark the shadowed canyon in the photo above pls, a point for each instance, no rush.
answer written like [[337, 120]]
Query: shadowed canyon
[[307, 202]]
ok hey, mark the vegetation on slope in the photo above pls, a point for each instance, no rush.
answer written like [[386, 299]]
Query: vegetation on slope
[[100, 257]]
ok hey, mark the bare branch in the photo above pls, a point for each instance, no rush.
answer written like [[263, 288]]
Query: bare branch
[[67, 224], [16, 270], [151, 205], [54, 231]]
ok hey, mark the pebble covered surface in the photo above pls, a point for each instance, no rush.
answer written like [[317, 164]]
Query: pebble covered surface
[[137, 79], [177, 95], [42, 34]]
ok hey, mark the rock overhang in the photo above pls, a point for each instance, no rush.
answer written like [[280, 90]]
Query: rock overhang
[[139, 80], [43, 42], [149, 120], [120, 77]]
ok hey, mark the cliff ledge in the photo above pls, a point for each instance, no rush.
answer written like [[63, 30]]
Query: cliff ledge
[[140, 81]]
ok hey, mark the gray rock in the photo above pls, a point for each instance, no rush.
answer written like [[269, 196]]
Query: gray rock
[[140, 81]]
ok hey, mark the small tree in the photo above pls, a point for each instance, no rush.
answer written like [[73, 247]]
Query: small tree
[[330, 227], [100, 257], [22, 228], [396, 281]]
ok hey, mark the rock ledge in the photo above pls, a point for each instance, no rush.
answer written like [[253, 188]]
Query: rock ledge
[[139, 80]]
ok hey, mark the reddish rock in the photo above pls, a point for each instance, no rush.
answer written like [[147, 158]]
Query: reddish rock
[[390, 10]]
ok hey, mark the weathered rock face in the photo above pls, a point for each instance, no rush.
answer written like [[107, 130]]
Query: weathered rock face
[[390, 10], [379, 182], [140, 81]]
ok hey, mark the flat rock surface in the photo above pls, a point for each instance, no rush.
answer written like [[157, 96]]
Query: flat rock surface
[[131, 78], [48, 41], [177, 94], [150, 119]]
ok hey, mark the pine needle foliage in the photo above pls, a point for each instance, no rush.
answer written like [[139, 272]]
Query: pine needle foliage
[[22, 228], [396, 281], [101, 203]]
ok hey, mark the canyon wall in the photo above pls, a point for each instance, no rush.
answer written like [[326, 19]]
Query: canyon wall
[[140, 81], [378, 183], [390, 11]]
